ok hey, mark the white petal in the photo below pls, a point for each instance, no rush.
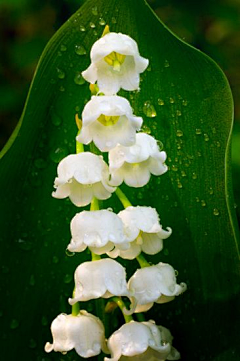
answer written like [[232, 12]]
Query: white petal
[[136, 175], [152, 243], [90, 74], [62, 191], [80, 195], [130, 253]]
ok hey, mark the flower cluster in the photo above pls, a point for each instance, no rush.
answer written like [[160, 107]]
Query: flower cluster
[[108, 122]]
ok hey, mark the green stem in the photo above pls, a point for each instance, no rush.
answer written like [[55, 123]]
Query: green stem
[[94, 205], [142, 261], [79, 146], [95, 257], [123, 199], [76, 306], [122, 306]]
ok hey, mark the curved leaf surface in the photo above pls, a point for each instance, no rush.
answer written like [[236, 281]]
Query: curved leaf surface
[[187, 104]]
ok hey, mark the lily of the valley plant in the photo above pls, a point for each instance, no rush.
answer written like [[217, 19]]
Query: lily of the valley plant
[[109, 123]]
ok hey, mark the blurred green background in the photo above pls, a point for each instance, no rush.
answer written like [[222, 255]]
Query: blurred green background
[[27, 25]]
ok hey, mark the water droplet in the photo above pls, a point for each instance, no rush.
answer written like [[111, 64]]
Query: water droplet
[[44, 321], [146, 129], [24, 245], [216, 212], [203, 203], [174, 168], [160, 145], [82, 28], [194, 175], [60, 73], [160, 102], [102, 22], [78, 79], [171, 100], [179, 113], [14, 324], [67, 278], [92, 25], [114, 20], [62, 89], [149, 68], [210, 190], [214, 130], [149, 109], [179, 184], [80, 50], [32, 280], [95, 10], [183, 173], [69, 254], [63, 47], [197, 199], [166, 64], [55, 259], [32, 343], [218, 144], [179, 133], [58, 154], [184, 103], [40, 163], [206, 137], [56, 120], [198, 131]]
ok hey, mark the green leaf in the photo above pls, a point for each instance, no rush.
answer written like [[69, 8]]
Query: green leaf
[[190, 106]]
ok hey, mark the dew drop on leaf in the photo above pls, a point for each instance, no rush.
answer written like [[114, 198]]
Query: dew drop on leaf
[[80, 50], [63, 48], [56, 120], [82, 28], [149, 110], [60, 73], [114, 20], [203, 203], [171, 100], [40, 163], [194, 175], [166, 64], [92, 25], [44, 321], [179, 133], [160, 102], [62, 89], [216, 212], [198, 131], [78, 79], [102, 22], [32, 280], [32, 343], [206, 137], [69, 254], [95, 10], [179, 113], [58, 154], [185, 103], [67, 278], [146, 129], [14, 324]]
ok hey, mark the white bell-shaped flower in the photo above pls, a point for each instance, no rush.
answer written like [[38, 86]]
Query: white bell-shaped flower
[[81, 177], [84, 333], [103, 278], [107, 121], [98, 230], [143, 230], [154, 284], [135, 164], [141, 341], [115, 64]]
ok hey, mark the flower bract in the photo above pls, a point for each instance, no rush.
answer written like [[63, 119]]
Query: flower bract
[[103, 278], [84, 333], [143, 230], [115, 63], [81, 177], [98, 230], [141, 341], [135, 164], [154, 284], [108, 120]]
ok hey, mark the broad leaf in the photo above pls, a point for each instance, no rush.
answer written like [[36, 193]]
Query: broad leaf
[[187, 104]]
